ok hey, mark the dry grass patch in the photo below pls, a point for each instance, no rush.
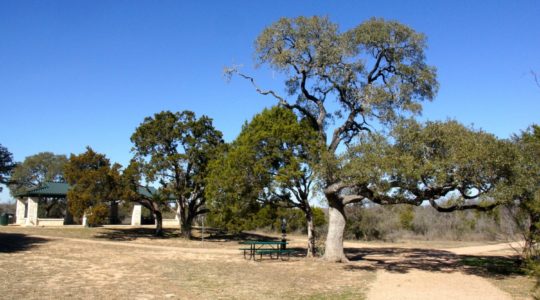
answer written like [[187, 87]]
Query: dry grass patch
[[66, 268]]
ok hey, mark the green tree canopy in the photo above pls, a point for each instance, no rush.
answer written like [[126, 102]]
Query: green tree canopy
[[431, 162], [376, 72], [268, 162], [525, 189], [36, 170], [6, 165], [173, 150], [93, 182]]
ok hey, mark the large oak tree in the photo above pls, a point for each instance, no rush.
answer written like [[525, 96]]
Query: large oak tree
[[372, 75], [173, 150]]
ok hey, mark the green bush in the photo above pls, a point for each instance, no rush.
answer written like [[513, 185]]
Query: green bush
[[265, 217], [97, 215]]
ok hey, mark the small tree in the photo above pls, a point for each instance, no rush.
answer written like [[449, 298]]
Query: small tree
[[268, 162], [93, 183], [6, 165], [173, 150]]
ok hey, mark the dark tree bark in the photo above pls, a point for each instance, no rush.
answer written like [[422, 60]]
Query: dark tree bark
[[159, 222]]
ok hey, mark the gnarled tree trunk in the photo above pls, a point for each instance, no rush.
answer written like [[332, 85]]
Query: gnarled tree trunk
[[184, 221], [159, 222], [336, 227]]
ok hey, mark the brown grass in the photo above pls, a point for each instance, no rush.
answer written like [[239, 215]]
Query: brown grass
[[44, 268], [128, 263]]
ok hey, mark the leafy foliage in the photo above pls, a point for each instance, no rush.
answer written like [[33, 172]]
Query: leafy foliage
[[173, 150], [376, 71], [36, 170], [267, 163], [430, 162], [267, 217], [93, 183], [525, 191], [6, 165]]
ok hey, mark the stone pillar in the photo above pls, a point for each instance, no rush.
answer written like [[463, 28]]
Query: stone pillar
[[136, 215], [84, 220], [20, 210], [32, 217]]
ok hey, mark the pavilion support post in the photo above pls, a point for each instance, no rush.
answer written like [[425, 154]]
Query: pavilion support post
[[20, 211], [32, 217], [84, 220], [136, 215]]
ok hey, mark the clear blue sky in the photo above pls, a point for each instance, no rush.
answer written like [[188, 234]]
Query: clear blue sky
[[77, 73]]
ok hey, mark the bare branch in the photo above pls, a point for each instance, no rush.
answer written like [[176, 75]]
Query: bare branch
[[349, 199], [317, 101], [455, 207], [280, 99], [371, 78], [535, 76]]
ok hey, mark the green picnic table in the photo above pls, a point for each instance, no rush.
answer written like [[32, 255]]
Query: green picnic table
[[264, 247]]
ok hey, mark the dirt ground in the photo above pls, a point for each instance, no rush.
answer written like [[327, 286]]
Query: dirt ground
[[125, 263]]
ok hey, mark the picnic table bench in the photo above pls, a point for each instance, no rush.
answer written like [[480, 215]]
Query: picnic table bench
[[266, 247]]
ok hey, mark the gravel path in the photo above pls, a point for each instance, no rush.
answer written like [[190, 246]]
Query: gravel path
[[421, 284], [418, 285]]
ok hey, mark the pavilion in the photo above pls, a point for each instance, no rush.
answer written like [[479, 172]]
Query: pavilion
[[28, 203]]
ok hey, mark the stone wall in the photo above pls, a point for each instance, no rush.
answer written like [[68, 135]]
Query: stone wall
[[169, 223], [50, 222]]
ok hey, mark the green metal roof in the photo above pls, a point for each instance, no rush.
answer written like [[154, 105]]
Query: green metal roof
[[48, 189], [60, 189]]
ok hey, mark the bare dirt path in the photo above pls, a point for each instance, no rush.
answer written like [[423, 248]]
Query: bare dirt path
[[418, 284], [436, 283], [508, 248]]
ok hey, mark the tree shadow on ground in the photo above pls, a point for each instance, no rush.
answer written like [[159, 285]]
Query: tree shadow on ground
[[220, 236], [16, 242], [402, 260], [130, 234], [210, 235]]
